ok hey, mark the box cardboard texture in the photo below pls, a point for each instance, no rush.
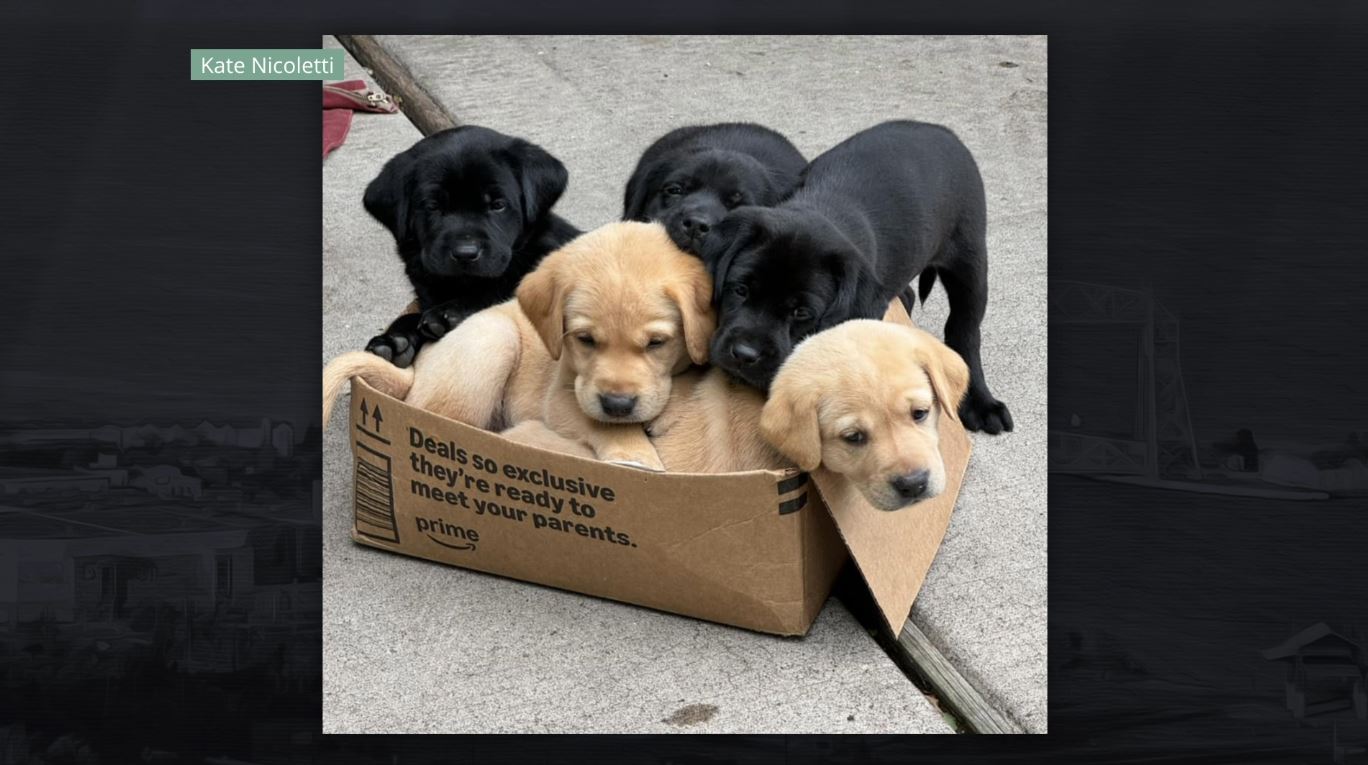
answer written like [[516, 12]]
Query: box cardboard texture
[[757, 549]]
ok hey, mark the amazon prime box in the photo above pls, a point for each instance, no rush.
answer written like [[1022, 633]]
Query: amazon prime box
[[758, 549]]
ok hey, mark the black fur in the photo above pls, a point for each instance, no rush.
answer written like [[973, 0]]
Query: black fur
[[690, 177], [470, 211], [898, 200]]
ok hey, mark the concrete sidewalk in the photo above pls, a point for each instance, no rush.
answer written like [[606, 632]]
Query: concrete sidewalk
[[598, 102], [412, 646]]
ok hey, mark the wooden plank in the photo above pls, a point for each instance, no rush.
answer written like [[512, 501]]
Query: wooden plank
[[956, 694], [424, 111]]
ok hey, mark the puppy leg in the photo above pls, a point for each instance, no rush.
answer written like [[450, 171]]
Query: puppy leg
[[464, 376], [399, 343], [966, 285], [535, 433], [625, 444], [440, 319]]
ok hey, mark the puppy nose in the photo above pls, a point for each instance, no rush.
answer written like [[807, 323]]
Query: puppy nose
[[910, 486], [466, 251], [745, 354], [617, 405], [696, 225]]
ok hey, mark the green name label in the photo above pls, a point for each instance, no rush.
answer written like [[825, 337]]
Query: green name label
[[266, 64]]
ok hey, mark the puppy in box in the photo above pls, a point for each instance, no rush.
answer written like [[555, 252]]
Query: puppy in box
[[589, 347]]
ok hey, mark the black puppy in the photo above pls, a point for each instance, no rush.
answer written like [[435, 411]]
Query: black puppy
[[691, 176], [470, 210], [889, 203]]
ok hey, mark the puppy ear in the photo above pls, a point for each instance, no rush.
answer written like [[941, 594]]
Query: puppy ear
[[387, 197], [541, 297], [693, 294], [789, 424], [732, 234], [858, 294], [778, 186], [543, 178], [948, 373], [643, 183]]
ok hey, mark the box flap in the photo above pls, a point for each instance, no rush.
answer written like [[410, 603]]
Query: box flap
[[893, 551]]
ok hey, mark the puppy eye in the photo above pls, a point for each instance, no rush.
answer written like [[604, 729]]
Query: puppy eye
[[674, 189], [802, 314], [585, 339], [740, 290], [655, 342], [497, 205], [854, 437], [734, 199], [919, 414]]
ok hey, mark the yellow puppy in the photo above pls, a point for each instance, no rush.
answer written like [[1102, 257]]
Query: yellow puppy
[[633, 309], [864, 400], [622, 320]]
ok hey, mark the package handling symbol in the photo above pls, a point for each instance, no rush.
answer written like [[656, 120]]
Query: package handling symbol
[[367, 413], [379, 418]]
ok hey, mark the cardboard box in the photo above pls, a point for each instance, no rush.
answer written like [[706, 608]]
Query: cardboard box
[[757, 549]]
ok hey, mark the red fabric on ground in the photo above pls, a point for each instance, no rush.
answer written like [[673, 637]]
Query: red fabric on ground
[[336, 123], [339, 105]]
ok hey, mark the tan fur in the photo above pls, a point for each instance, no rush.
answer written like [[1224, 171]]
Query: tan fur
[[864, 372], [869, 376], [712, 425], [469, 375], [623, 282], [620, 286], [490, 371], [382, 375], [535, 433]]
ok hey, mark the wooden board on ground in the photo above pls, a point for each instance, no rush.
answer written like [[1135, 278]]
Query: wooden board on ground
[[955, 693], [418, 105]]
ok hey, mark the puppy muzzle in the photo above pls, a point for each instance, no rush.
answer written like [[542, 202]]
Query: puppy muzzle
[[748, 359], [465, 257], [904, 490]]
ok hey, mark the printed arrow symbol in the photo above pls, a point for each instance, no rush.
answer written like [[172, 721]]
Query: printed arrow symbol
[[378, 418], [364, 411]]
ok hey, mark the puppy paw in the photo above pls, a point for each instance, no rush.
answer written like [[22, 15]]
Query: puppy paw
[[981, 412], [658, 427], [398, 348], [436, 322]]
